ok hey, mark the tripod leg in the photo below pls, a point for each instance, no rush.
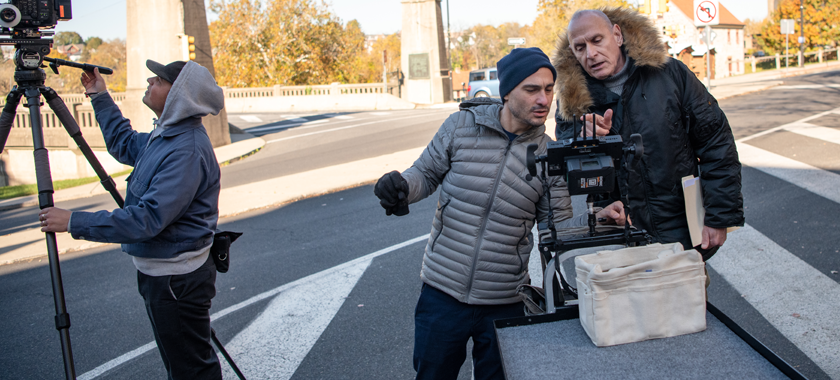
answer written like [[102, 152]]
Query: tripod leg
[[45, 199], [69, 123], [7, 118], [225, 354]]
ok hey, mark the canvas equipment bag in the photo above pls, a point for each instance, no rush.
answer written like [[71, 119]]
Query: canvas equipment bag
[[640, 293]]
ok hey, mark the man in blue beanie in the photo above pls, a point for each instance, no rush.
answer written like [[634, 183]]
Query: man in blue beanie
[[481, 240]]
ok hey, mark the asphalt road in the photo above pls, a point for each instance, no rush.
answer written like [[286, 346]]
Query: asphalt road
[[368, 333], [293, 146]]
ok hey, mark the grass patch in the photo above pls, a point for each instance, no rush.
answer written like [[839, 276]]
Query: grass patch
[[7, 192]]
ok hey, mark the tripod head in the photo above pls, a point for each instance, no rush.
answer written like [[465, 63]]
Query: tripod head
[[29, 61]]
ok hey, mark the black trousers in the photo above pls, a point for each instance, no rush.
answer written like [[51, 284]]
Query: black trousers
[[179, 309], [442, 327]]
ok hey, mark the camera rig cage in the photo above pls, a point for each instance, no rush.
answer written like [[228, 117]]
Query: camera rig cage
[[588, 164]]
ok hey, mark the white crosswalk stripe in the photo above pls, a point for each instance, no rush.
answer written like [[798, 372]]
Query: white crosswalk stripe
[[815, 131], [277, 341], [795, 298], [815, 180]]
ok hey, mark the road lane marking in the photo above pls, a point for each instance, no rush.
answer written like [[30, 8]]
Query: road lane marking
[[276, 342], [250, 118], [783, 126], [815, 132], [284, 126], [821, 182], [380, 113], [806, 86], [795, 298], [340, 128], [111, 364]]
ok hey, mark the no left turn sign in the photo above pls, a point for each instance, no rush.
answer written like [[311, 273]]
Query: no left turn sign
[[706, 12]]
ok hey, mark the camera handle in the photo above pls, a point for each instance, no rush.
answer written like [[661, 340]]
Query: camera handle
[[531, 160]]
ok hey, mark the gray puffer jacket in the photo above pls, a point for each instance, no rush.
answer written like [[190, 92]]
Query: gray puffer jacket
[[481, 237]]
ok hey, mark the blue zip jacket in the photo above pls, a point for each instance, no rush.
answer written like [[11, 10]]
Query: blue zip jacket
[[172, 199]]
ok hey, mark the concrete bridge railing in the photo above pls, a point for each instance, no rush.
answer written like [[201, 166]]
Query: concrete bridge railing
[[330, 89], [80, 107]]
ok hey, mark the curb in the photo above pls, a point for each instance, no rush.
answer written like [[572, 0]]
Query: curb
[[226, 155]]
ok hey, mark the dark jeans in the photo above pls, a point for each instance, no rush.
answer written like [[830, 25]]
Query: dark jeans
[[442, 327], [179, 309]]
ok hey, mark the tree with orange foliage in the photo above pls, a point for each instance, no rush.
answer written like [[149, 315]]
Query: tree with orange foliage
[[822, 18]]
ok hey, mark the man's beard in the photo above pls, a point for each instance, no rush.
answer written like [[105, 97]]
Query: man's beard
[[523, 113]]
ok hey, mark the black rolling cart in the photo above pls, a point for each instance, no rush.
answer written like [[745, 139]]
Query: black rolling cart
[[555, 345]]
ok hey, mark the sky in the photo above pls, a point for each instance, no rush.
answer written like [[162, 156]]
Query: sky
[[106, 18]]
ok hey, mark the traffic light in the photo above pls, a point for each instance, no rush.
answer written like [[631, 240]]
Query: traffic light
[[663, 6], [191, 47], [644, 7]]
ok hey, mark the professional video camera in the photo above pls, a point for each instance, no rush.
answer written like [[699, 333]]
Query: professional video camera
[[588, 164], [28, 17]]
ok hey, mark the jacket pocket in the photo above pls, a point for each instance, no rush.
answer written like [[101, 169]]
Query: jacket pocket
[[137, 186], [439, 216]]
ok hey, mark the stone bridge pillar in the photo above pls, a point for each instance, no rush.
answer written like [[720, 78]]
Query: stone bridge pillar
[[423, 54], [154, 31]]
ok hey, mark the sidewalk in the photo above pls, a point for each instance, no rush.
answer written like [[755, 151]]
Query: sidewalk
[[242, 146], [28, 244], [744, 84]]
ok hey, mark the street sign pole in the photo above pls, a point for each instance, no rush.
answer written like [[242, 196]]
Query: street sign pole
[[706, 14], [708, 32], [787, 58], [801, 34]]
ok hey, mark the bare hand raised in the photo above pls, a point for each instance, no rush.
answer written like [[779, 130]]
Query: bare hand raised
[[614, 214], [93, 81], [602, 123]]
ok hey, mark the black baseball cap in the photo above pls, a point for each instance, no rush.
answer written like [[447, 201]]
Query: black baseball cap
[[169, 72]]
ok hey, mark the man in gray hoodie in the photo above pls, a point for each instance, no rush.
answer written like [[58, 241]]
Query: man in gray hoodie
[[481, 240], [171, 209]]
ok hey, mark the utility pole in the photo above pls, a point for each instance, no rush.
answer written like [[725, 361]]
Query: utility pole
[[801, 34], [708, 35], [384, 71], [448, 43]]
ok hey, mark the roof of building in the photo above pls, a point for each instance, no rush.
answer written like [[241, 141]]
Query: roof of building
[[726, 17]]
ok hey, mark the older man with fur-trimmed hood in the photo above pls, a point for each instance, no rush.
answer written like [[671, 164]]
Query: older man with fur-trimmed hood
[[612, 63]]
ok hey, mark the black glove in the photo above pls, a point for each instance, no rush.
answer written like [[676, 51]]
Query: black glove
[[392, 191]]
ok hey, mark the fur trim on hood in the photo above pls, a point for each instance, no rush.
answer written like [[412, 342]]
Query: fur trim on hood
[[641, 43]]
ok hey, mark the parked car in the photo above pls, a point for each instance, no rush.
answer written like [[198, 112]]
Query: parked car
[[483, 83]]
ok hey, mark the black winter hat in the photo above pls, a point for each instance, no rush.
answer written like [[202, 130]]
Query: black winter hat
[[169, 72], [520, 64]]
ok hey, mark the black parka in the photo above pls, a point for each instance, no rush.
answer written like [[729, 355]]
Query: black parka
[[683, 129]]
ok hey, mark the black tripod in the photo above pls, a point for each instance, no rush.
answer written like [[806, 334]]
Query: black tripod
[[30, 78], [30, 84]]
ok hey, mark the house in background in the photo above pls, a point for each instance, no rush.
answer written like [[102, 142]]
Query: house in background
[[72, 51], [675, 18]]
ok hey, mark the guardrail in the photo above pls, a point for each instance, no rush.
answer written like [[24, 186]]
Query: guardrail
[[780, 61]]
